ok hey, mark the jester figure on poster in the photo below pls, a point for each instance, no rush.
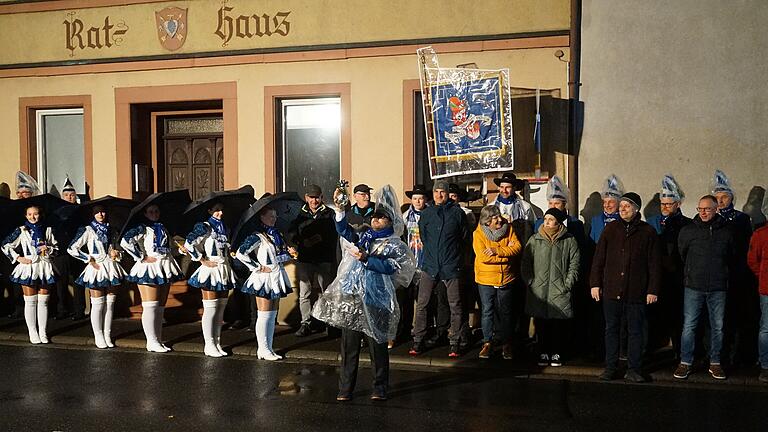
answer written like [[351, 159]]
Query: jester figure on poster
[[467, 117]]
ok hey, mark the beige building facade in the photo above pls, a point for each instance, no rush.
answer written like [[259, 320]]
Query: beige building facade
[[114, 58]]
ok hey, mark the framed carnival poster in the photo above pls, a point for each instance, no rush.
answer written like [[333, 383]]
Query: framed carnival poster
[[468, 119]]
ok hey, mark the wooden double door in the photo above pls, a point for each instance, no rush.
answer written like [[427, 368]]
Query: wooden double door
[[194, 161]]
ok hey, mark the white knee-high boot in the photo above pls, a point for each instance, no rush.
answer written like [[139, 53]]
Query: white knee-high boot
[[30, 316], [262, 327], [42, 317], [97, 321], [209, 315], [221, 305], [111, 299], [271, 332], [159, 312], [148, 318]]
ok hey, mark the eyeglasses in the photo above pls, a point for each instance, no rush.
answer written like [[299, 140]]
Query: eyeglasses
[[705, 209]]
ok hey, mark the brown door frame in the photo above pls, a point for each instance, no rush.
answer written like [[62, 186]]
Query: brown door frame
[[126, 96]]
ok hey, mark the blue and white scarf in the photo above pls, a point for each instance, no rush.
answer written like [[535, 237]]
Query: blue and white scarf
[[161, 238], [728, 213], [281, 250], [369, 236], [610, 217], [218, 226], [37, 231], [102, 232]]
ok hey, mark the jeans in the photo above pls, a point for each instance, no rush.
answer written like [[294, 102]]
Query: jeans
[[693, 303], [453, 289], [763, 338], [496, 301], [614, 311], [307, 272]]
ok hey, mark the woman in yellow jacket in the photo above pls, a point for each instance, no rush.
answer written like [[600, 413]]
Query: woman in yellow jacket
[[496, 261]]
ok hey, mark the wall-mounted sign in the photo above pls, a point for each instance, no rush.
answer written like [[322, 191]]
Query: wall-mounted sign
[[83, 36], [171, 27]]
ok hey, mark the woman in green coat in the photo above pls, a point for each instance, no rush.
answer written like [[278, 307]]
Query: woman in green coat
[[550, 269]]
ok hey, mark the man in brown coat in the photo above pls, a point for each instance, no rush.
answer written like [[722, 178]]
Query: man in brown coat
[[626, 275]]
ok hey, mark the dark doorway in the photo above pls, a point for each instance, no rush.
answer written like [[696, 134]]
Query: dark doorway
[[177, 145]]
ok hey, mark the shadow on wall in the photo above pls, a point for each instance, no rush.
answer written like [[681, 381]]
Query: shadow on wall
[[653, 208], [592, 207], [753, 206]]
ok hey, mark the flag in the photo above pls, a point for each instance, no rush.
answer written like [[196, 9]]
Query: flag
[[537, 129]]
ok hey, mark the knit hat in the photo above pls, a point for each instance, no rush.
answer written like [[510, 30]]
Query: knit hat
[[670, 189], [441, 184], [558, 214], [633, 199]]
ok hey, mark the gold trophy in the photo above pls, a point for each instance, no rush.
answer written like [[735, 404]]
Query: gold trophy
[[341, 199]]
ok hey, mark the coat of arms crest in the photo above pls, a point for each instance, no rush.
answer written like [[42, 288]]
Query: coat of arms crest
[[171, 27]]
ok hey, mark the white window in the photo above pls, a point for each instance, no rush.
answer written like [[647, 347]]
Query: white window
[[310, 144], [60, 148]]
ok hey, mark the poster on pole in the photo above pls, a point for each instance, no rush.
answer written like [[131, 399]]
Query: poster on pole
[[467, 118]]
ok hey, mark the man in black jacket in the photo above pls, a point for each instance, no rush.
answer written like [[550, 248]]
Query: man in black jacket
[[626, 274], [359, 214], [443, 231], [707, 250], [315, 238], [668, 225]]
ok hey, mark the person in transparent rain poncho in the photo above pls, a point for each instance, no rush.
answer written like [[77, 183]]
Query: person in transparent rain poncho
[[361, 300]]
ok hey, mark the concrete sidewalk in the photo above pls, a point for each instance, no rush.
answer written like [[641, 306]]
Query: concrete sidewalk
[[187, 338]]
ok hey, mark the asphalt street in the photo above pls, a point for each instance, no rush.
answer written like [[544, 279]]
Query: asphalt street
[[45, 388]]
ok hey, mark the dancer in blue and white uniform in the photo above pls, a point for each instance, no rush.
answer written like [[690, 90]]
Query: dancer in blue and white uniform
[[208, 243], [269, 281], [154, 271], [103, 274], [31, 247]]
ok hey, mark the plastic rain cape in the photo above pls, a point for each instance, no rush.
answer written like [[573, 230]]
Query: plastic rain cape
[[361, 299]]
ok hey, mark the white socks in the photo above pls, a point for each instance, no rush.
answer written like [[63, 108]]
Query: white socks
[[151, 316], [111, 298], [221, 304], [42, 317], [30, 316], [209, 316], [97, 321], [159, 314], [265, 328]]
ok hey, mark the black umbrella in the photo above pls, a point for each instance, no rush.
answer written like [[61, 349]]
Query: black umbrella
[[5, 225], [50, 205], [171, 204], [118, 210], [235, 203], [286, 204]]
